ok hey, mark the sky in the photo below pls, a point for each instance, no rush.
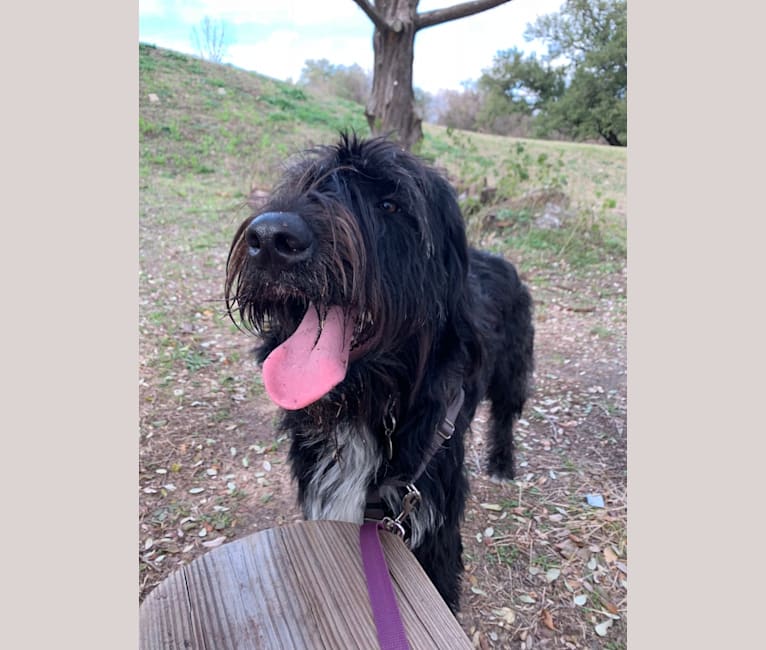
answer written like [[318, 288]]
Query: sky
[[275, 38]]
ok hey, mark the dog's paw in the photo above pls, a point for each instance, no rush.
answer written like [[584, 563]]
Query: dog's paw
[[500, 470]]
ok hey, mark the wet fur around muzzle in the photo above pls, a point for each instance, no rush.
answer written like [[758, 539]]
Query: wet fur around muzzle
[[365, 232]]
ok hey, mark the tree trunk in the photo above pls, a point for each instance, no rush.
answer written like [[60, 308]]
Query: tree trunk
[[612, 139], [391, 107]]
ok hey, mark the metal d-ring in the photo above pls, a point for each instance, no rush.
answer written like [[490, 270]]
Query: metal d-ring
[[409, 503], [393, 526]]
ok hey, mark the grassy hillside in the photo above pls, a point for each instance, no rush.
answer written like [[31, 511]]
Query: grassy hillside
[[213, 119], [208, 126]]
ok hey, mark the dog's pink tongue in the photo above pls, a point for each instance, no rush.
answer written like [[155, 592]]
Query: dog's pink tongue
[[305, 368]]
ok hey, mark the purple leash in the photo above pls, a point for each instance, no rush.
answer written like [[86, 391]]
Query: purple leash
[[385, 611]]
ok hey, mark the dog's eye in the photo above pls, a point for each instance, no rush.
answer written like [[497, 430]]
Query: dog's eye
[[389, 206]]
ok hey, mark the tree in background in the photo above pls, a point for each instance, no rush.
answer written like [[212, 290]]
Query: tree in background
[[353, 83], [210, 40], [517, 85], [459, 109], [579, 88], [349, 82], [391, 107]]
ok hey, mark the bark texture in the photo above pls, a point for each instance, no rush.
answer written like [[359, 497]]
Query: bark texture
[[391, 108]]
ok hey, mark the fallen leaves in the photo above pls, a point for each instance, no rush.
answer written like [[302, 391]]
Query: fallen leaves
[[622, 567], [609, 555], [552, 574], [603, 627], [213, 543], [506, 614], [566, 557], [547, 619], [610, 607]]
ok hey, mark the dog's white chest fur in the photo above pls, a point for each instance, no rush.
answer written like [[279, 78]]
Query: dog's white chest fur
[[338, 489]]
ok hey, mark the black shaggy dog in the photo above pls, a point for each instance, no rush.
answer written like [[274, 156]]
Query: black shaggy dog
[[381, 329]]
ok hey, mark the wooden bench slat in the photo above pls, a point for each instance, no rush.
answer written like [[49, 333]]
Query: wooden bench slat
[[300, 586]]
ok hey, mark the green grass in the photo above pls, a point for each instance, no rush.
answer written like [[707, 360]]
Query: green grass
[[217, 119], [545, 563], [214, 119], [583, 242], [601, 332], [592, 171], [507, 555], [589, 178]]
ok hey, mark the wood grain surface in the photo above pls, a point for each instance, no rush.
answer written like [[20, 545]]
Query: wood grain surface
[[296, 586]]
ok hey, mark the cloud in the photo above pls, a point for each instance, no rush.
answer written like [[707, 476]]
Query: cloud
[[286, 12], [283, 53], [456, 51], [152, 8]]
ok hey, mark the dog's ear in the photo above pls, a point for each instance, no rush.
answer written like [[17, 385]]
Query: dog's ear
[[449, 229], [452, 244]]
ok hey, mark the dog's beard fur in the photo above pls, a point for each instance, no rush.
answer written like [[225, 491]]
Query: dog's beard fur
[[428, 315]]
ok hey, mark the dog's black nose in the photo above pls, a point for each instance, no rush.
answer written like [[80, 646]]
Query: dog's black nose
[[278, 240]]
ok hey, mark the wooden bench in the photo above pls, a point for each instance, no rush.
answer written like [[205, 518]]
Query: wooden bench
[[297, 586]]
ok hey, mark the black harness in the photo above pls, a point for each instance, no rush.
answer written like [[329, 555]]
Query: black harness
[[375, 508]]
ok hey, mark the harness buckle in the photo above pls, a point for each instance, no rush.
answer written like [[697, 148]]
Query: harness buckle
[[446, 428], [393, 526], [409, 502]]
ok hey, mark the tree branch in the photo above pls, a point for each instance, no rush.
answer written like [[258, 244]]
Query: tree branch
[[438, 16], [377, 20]]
